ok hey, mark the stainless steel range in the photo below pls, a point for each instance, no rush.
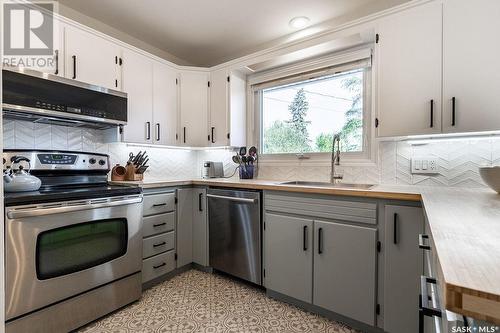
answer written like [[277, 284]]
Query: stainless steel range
[[73, 248]]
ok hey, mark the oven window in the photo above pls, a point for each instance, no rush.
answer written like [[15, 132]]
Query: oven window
[[77, 247]]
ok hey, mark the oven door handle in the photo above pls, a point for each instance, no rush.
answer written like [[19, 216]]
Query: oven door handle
[[51, 209]]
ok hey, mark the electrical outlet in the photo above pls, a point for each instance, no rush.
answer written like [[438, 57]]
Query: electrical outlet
[[424, 165]]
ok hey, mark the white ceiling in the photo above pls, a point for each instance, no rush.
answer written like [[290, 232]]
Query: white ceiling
[[209, 32]]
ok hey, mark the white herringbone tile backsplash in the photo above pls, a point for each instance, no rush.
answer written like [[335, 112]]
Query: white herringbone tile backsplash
[[458, 160]]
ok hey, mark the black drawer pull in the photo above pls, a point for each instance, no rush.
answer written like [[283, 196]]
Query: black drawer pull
[[395, 229], [160, 265], [74, 66], [159, 224], [159, 244], [320, 240], [184, 129], [160, 204], [157, 132], [304, 238], [421, 243], [432, 113], [453, 105], [148, 130], [56, 55], [200, 206], [213, 139]]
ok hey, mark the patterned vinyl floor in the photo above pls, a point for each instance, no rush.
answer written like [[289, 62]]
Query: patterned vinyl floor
[[195, 301]]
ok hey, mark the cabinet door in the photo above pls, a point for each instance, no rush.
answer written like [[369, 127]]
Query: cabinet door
[[288, 256], [218, 108], [184, 230], [194, 108], [237, 110], [409, 72], [403, 267], [164, 104], [200, 227], [137, 80], [90, 58], [344, 270], [471, 67]]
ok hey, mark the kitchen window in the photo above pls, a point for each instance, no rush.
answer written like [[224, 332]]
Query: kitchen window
[[298, 115]]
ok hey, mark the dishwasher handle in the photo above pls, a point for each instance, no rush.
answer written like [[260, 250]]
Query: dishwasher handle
[[237, 199]]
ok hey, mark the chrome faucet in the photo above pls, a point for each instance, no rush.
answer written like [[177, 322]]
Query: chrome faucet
[[334, 178]]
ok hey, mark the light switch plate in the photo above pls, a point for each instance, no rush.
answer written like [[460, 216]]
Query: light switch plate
[[424, 165]]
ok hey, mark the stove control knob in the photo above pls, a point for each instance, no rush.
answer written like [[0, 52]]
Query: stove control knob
[[102, 162], [92, 160]]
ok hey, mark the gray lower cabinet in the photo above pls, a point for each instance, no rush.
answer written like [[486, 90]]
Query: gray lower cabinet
[[200, 227], [184, 226], [288, 255], [344, 270], [403, 268], [158, 232]]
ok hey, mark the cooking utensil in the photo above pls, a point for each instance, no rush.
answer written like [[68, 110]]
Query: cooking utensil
[[20, 180], [250, 159], [142, 169], [145, 162], [252, 151], [243, 151], [244, 159], [236, 159]]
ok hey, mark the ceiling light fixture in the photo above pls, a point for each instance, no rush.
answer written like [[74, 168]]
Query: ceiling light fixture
[[299, 22]]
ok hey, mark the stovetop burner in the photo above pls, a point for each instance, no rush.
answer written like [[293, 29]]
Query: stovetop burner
[[65, 176]]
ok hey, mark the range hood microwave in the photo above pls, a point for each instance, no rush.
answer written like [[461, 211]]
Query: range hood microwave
[[46, 98]]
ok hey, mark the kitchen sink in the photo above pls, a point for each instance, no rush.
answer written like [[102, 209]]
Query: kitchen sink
[[326, 184]]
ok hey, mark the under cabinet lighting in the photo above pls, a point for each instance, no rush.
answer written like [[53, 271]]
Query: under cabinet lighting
[[423, 139]]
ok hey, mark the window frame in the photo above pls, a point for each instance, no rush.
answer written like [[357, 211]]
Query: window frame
[[366, 157]]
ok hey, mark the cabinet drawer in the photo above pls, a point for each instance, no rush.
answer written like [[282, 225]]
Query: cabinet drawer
[[158, 224], [334, 208], [159, 203], [158, 265], [157, 244]]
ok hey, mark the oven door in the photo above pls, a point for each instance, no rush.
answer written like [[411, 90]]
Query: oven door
[[58, 250]]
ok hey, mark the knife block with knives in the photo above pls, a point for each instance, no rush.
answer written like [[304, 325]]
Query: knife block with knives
[[136, 166]]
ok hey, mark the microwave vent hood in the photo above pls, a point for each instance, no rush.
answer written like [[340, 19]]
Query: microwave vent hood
[[50, 99]]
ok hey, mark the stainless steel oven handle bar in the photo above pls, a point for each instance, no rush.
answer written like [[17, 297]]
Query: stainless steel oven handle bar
[[66, 207], [232, 198]]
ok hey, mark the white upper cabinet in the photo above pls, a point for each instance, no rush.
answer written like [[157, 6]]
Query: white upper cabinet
[[164, 104], [90, 58], [194, 108], [409, 72], [137, 82], [227, 120], [219, 106], [471, 66]]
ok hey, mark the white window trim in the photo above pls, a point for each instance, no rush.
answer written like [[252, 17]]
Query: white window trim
[[366, 158]]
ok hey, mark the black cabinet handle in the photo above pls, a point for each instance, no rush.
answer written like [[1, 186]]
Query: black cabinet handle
[[320, 240], [453, 101], [421, 243], [158, 266], [148, 130], [304, 238], [160, 204], [159, 224], [432, 113], [159, 244], [74, 66], [56, 56], [157, 131], [395, 229], [200, 206], [213, 129], [184, 134], [423, 302]]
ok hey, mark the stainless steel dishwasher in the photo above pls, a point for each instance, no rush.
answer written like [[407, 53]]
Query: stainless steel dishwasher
[[235, 242]]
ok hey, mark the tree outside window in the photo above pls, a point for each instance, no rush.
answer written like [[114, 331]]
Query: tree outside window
[[303, 117]]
